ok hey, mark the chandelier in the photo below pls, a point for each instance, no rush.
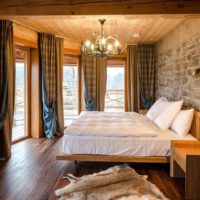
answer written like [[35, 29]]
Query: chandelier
[[102, 46]]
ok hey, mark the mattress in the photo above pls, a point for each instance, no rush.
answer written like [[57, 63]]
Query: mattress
[[78, 140], [124, 146]]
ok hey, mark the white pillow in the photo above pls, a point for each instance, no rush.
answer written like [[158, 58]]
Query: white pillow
[[159, 106], [182, 123], [165, 119]]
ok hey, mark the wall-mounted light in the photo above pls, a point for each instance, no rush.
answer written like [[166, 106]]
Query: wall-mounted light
[[196, 73]]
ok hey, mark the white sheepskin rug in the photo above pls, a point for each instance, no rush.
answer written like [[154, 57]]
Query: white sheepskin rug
[[115, 183]]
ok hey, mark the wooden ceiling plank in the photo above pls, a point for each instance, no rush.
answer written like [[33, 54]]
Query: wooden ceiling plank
[[95, 7]]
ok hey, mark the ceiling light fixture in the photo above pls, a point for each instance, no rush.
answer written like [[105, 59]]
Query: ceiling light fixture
[[103, 46], [136, 35]]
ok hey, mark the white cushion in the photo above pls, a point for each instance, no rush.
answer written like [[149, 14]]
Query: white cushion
[[159, 106], [165, 118], [182, 123]]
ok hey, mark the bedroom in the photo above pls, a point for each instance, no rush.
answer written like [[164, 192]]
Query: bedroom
[[169, 32]]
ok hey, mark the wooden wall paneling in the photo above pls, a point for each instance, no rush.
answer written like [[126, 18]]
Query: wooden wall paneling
[[71, 44], [82, 7], [24, 36], [36, 107]]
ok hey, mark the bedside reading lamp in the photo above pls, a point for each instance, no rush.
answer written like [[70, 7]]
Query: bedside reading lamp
[[196, 73]]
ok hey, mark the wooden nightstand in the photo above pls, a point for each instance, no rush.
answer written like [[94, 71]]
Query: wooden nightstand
[[185, 159], [143, 112]]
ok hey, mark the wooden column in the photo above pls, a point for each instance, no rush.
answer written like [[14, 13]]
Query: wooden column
[[36, 106]]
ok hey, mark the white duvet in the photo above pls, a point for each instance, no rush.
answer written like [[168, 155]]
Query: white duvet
[[126, 124]]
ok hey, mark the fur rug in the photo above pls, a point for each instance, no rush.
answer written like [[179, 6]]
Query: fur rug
[[116, 183]]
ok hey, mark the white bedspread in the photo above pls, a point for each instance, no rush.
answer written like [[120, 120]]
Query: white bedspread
[[123, 146], [126, 124]]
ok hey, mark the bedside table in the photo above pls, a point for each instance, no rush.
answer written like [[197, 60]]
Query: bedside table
[[185, 159], [143, 111]]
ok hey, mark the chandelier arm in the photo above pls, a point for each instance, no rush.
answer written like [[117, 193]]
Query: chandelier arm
[[111, 37]]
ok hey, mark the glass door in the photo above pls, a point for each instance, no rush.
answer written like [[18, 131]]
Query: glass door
[[19, 130], [115, 91], [70, 89]]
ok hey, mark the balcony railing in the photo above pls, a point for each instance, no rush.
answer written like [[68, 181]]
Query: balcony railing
[[70, 104], [18, 130], [114, 100]]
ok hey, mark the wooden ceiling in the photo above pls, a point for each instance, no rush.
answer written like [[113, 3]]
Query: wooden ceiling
[[75, 29], [98, 7]]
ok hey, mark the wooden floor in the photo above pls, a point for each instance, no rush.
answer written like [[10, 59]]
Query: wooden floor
[[33, 171]]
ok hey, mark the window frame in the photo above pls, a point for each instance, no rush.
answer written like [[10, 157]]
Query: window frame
[[121, 59], [79, 72], [27, 93]]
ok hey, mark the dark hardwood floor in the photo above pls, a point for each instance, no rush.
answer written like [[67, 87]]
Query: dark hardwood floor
[[32, 172]]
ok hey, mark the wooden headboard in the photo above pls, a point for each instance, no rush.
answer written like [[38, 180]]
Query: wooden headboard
[[195, 129]]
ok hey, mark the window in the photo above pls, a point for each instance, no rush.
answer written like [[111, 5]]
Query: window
[[114, 100], [70, 89], [19, 130]]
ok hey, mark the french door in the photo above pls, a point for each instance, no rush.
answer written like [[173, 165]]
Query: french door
[[71, 89], [115, 89], [21, 114]]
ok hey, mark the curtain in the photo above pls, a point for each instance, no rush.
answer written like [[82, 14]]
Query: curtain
[[146, 66], [7, 87], [94, 74], [132, 80], [50, 53], [59, 94], [101, 66]]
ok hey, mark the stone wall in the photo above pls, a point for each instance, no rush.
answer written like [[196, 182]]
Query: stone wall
[[178, 54]]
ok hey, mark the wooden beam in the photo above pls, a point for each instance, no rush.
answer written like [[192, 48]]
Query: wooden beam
[[72, 52], [96, 7], [24, 42]]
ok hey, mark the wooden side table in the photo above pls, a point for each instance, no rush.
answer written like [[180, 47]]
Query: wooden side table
[[143, 112], [185, 160]]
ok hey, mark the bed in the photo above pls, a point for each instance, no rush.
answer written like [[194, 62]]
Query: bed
[[119, 137]]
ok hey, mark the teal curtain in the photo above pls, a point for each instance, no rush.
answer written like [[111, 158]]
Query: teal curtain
[[47, 61], [94, 76], [89, 77], [146, 65], [50, 54], [132, 80]]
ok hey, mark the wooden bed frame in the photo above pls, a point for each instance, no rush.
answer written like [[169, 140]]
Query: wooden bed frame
[[195, 131]]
